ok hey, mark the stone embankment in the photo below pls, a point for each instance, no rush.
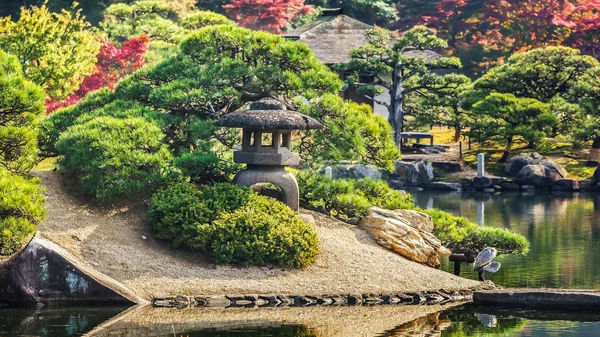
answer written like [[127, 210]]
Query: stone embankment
[[547, 299], [252, 301]]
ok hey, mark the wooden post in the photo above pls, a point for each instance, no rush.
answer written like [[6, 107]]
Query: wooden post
[[460, 150], [457, 268]]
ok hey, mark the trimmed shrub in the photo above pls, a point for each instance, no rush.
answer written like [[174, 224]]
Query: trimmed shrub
[[349, 200], [380, 194], [60, 120], [183, 213], [114, 158], [21, 208], [264, 231], [350, 207]]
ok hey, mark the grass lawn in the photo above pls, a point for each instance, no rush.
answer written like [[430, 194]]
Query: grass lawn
[[561, 151], [47, 164]]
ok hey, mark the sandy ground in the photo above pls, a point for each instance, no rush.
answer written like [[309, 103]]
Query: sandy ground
[[111, 241], [324, 321]]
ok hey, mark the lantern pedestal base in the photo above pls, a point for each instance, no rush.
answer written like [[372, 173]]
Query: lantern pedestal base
[[274, 175]]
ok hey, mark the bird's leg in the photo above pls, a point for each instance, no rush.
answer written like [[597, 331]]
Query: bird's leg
[[482, 275]]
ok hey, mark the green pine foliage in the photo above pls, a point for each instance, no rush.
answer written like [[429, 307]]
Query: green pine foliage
[[349, 200], [21, 208], [115, 158], [204, 19], [21, 109], [219, 69], [264, 232], [352, 132]]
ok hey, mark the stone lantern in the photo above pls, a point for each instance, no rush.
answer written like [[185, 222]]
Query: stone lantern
[[266, 160]]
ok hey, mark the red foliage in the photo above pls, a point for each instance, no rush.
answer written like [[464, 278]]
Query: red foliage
[[499, 28], [269, 15], [113, 64]]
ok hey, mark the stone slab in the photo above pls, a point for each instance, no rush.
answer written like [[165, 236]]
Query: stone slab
[[557, 299]]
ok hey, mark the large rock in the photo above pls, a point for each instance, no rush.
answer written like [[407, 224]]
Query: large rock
[[448, 166], [482, 182], [539, 176], [366, 171], [45, 274], [515, 164], [442, 186], [407, 233], [415, 173], [568, 184]]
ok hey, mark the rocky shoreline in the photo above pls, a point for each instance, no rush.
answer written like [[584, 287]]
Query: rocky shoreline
[[529, 172]]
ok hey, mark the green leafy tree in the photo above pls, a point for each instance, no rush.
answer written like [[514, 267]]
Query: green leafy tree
[[352, 132], [559, 77], [506, 117], [410, 61], [444, 107], [55, 50], [21, 108]]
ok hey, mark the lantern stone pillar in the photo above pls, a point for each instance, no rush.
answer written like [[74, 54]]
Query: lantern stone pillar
[[266, 146]]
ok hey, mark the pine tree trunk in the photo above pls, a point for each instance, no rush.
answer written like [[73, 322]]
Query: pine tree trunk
[[506, 153], [396, 117]]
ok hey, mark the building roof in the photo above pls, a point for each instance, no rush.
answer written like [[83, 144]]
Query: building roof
[[268, 119], [331, 37]]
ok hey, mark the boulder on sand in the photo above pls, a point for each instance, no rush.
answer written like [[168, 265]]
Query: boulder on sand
[[539, 176], [407, 233]]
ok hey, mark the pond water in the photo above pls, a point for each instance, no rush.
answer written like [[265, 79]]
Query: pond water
[[563, 229], [467, 320]]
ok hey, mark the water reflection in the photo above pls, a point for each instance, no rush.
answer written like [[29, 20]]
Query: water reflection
[[53, 322], [563, 228], [377, 321]]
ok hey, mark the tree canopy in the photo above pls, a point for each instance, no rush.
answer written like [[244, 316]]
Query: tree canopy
[[55, 50], [411, 62], [559, 78]]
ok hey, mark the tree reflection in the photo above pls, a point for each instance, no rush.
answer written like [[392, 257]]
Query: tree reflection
[[563, 229]]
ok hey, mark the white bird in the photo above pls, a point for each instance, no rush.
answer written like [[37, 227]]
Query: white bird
[[485, 262]]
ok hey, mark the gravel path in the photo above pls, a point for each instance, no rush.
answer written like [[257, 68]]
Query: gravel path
[[112, 241]]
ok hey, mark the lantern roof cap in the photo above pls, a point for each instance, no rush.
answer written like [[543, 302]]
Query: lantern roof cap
[[268, 120]]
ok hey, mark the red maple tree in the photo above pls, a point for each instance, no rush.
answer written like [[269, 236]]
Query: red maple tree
[[269, 15], [495, 29], [113, 64]]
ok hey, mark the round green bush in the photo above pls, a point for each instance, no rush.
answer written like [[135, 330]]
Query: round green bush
[[114, 158], [21, 208], [183, 213], [264, 231]]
